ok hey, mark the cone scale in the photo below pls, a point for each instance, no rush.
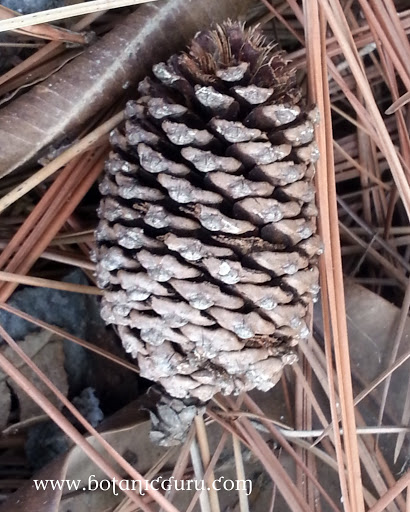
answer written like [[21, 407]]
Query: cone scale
[[206, 245]]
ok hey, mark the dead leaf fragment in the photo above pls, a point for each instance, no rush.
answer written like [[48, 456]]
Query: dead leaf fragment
[[46, 351]]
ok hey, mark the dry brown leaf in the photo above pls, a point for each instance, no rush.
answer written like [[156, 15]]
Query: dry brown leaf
[[127, 432], [27, 498], [372, 323], [46, 350]]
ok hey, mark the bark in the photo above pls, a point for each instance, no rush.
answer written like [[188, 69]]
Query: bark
[[58, 107]]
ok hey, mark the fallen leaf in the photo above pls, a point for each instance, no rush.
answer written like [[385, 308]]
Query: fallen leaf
[[127, 431], [46, 351], [372, 324], [28, 498]]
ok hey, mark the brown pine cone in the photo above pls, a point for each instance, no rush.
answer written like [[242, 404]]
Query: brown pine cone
[[206, 247]]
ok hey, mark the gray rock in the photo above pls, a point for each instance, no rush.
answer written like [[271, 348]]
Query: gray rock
[[73, 312]]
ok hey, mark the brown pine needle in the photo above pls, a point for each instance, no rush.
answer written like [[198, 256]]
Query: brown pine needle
[[338, 24], [199, 476], [206, 458], [72, 432], [44, 31], [405, 419], [46, 52], [9, 277], [331, 266], [240, 474], [70, 337], [349, 60], [96, 136], [391, 494], [68, 11], [395, 349], [399, 103]]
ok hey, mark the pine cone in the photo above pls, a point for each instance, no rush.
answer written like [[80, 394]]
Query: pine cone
[[206, 246]]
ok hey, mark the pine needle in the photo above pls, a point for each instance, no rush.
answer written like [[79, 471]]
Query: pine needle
[[68, 11], [8, 277]]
